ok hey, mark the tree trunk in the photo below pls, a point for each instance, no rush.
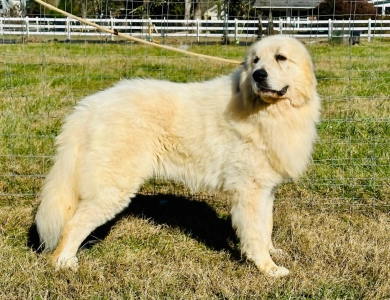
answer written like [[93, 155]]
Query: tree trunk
[[197, 10], [187, 9], [146, 7], [83, 10]]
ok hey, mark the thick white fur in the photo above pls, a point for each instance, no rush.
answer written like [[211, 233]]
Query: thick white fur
[[224, 135]]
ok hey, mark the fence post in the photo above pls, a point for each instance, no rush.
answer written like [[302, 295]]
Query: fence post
[[150, 29], [67, 28], [280, 25], [163, 28], [37, 23], [236, 40], [1, 26], [330, 29], [112, 27], [27, 26], [225, 36], [197, 30], [260, 26], [369, 31]]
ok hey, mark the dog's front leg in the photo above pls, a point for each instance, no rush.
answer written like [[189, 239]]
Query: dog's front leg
[[270, 224], [250, 217]]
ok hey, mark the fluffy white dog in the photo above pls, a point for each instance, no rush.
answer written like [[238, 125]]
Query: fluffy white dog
[[241, 134]]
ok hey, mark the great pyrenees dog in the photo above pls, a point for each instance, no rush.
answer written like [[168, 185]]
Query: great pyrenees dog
[[242, 135]]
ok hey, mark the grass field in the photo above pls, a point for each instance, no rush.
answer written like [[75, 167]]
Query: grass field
[[334, 223]]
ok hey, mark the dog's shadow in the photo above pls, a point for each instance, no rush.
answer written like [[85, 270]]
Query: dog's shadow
[[196, 219]]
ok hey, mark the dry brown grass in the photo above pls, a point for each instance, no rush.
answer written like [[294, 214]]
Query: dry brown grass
[[176, 247]]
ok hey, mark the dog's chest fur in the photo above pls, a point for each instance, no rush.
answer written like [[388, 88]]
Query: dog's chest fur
[[215, 145]]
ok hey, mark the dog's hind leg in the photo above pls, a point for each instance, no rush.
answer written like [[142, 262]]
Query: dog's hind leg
[[250, 209], [91, 213]]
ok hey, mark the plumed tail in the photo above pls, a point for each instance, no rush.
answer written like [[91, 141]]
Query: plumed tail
[[60, 196]]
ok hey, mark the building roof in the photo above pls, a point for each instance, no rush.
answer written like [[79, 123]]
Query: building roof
[[284, 4], [380, 3]]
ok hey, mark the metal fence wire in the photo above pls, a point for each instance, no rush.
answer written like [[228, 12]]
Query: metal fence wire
[[44, 73]]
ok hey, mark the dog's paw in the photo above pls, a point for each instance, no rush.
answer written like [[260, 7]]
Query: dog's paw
[[278, 272], [65, 263]]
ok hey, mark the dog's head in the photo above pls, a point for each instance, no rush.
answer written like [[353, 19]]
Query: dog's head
[[278, 68]]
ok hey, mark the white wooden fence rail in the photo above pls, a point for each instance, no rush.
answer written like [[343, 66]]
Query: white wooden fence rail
[[233, 29]]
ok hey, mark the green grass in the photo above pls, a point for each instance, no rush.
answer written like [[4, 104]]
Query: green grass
[[333, 222]]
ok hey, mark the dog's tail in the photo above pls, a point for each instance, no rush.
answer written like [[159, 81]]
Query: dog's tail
[[60, 194]]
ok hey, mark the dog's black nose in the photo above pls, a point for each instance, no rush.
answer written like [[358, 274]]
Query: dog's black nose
[[259, 75]]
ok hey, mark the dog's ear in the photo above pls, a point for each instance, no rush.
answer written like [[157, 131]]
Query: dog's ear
[[240, 81], [246, 63], [244, 85], [243, 77]]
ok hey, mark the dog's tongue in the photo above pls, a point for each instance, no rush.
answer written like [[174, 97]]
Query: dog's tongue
[[282, 91]]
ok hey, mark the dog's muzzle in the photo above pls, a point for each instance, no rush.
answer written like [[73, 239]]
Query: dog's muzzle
[[260, 77]]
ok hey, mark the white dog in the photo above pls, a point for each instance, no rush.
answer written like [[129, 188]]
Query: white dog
[[241, 134]]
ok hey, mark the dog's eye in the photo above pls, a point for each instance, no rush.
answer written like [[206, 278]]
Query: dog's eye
[[256, 60], [280, 57]]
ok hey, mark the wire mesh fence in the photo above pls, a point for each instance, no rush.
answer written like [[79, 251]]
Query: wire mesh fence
[[44, 73]]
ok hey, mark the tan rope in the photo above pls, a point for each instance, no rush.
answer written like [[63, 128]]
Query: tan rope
[[131, 38]]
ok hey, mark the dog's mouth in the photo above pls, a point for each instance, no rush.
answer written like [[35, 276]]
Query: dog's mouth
[[280, 93]]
